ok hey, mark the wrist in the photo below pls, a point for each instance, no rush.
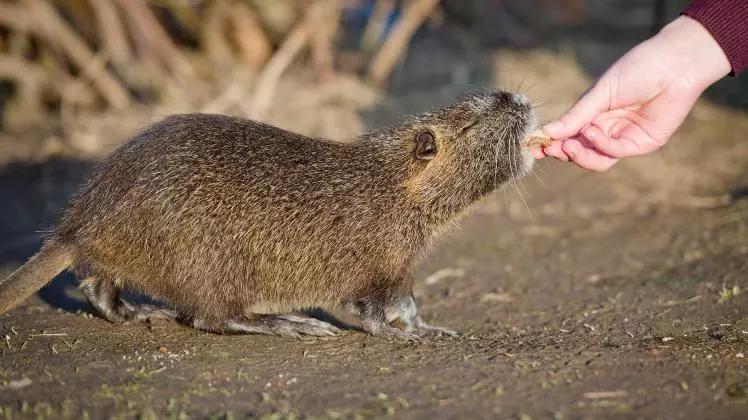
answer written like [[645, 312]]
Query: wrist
[[698, 53]]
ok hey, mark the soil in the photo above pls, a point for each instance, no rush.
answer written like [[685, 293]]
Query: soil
[[579, 295]]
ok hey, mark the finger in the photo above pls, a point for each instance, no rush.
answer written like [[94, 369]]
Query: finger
[[589, 106], [555, 150], [586, 157], [616, 148], [537, 153], [641, 141]]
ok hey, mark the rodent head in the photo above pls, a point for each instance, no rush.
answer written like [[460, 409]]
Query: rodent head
[[463, 151]]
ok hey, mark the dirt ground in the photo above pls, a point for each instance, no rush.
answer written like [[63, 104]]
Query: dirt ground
[[621, 295]]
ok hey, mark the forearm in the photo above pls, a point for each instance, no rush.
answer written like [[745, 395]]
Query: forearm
[[690, 51], [727, 22]]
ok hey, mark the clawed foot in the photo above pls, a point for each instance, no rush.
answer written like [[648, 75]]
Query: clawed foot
[[423, 330], [298, 326], [293, 326], [387, 331], [143, 312], [416, 335]]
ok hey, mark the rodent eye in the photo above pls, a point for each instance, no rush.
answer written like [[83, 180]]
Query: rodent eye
[[425, 145]]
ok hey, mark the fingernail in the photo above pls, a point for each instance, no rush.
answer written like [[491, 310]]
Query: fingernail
[[554, 126], [570, 149]]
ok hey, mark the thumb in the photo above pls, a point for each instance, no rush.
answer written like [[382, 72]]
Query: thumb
[[589, 106]]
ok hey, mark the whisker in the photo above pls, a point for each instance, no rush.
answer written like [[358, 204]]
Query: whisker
[[544, 102], [512, 154], [522, 197], [532, 85], [539, 179], [539, 168]]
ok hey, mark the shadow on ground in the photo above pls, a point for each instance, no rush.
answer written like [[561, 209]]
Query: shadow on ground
[[32, 196]]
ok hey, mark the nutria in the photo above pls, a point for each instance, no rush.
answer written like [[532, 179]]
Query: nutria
[[233, 223]]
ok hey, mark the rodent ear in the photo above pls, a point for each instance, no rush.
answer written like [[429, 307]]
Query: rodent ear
[[425, 145]]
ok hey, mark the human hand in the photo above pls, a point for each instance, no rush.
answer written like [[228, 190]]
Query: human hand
[[641, 100]]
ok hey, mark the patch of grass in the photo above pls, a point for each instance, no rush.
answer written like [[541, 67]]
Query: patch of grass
[[225, 415], [106, 391], [148, 414], [379, 406], [39, 411], [278, 416], [726, 294]]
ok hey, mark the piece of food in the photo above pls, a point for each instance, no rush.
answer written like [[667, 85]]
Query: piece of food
[[538, 139]]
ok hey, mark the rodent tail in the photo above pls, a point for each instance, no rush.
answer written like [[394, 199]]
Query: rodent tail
[[35, 274]]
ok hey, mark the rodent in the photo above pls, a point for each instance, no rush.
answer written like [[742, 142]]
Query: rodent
[[234, 224]]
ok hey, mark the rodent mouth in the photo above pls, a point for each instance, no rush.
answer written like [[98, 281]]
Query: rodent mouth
[[532, 137]]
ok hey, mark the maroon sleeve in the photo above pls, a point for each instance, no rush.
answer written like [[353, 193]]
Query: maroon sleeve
[[727, 21]]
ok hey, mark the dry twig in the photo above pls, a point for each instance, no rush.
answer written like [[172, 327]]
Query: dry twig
[[112, 33], [252, 42], [40, 18], [294, 43], [213, 34], [323, 38], [397, 43], [155, 41], [376, 25]]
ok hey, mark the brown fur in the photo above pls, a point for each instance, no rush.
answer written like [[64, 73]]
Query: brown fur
[[228, 219]]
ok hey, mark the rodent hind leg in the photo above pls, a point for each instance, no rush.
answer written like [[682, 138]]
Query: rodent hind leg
[[294, 326], [402, 309], [371, 311], [104, 297]]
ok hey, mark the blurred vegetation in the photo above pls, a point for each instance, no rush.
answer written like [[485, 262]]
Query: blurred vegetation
[[59, 57]]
